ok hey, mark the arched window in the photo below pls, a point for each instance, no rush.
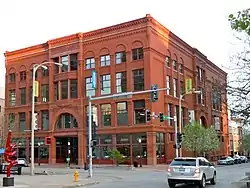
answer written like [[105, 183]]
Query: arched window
[[66, 121]]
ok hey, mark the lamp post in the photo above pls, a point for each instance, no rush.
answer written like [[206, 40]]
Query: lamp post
[[38, 153], [35, 68], [139, 140], [180, 99]]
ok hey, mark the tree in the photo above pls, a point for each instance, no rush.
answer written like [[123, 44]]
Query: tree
[[116, 156], [240, 21], [246, 143], [239, 76], [200, 140]]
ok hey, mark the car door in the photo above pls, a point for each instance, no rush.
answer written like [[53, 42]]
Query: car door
[[210, 168], [203, 166]]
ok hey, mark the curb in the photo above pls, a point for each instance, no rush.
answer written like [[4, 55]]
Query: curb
[[81, 185]]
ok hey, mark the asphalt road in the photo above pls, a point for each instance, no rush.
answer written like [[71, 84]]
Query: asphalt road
[[148, 179], [123, 177]]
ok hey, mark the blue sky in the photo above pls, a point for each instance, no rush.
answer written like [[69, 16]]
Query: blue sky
[[202, 24]]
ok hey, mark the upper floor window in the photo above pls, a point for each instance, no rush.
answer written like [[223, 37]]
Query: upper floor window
[[31, 74], [22, 96], [168, 85], [73, 89], [174, 64], [122, 113], [137, 54], [167, 61], [106, 114], [175, 87], [56, 67], [22, 75], [169, 113], [120, 57], [121, 82], [105, 84], [201, 96], [45, 120], [180, 68], [12, 97], [105, 60], [22, 121], [12, 120], [138, 77], [12, 78], [45, 92], [56, 90], [65, 63], [200, 73], [45, 72], [90, 63], [182, 88], [216, 99], [66, 121], [64, 89], [90, 91], [73, 62], [139, 112]]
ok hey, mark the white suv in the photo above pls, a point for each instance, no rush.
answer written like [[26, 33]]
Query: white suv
[[191, 170]]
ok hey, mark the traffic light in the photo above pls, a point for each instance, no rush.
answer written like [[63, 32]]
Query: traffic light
[[161, 117], [179, 137], [48, 140], [154, 94], [147, 115], [35, 121]]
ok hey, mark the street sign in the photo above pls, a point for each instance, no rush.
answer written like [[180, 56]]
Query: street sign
[[167, 118], [93, 79], [188, 85]]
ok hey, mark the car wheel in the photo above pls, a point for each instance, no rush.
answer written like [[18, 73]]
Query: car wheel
[[202, 183], [213, 181], [171, 185]]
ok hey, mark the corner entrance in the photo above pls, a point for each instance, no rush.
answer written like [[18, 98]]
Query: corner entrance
[[66, 147]]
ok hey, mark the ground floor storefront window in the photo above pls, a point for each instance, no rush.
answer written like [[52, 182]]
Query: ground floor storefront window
[[127, 144]]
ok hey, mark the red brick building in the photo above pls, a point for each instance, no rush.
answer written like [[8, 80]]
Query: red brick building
[[129, 56]]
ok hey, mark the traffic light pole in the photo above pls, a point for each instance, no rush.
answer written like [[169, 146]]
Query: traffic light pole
[[180, 124], [90, 99]]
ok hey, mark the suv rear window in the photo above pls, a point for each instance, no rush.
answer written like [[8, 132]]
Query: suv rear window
[[183, 162]]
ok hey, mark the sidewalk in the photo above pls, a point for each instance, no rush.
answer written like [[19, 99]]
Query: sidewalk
[[58, 181]]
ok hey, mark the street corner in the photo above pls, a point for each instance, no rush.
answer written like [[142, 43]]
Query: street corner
[[81, 184]]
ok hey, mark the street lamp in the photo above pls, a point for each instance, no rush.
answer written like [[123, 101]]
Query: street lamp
[[139, 140], [35, 68], [180, 99]]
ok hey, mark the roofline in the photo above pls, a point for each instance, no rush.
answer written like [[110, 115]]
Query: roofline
[[79, 35]]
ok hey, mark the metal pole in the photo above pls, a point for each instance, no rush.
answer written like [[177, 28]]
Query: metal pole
[[180, 99], [90, 138], [32, 165], [175, 129]]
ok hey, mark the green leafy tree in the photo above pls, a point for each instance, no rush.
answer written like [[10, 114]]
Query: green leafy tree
[[116, 156], [193, 137], [210, 140], [240, 21], [246, 143], [200, 140]]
